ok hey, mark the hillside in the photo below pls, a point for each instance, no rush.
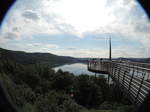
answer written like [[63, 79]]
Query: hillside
[[25, 87], [32, 58], [142, 60], [50, 59]]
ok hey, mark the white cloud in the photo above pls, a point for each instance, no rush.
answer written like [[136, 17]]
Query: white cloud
[[104, 53], [79, 17], [81, 52], [83, 15], [30, 15], [32, 47], [10, 35], [27, 25], [132, 52]]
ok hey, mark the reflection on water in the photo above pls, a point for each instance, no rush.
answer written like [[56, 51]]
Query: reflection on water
[[77, 68]]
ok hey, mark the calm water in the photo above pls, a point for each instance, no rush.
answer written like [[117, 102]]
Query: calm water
[[77, 68]]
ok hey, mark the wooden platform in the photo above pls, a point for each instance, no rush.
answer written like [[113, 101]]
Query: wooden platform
[[133, 77]]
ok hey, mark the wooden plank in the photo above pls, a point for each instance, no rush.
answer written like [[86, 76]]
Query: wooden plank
[[129, 75]]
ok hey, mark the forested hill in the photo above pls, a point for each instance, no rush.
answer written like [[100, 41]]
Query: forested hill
[[32, 58], [141, 60]]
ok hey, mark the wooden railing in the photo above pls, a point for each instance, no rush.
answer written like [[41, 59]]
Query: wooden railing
[[133, 78]]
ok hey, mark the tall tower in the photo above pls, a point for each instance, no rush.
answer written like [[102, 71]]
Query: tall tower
[[110, 48]]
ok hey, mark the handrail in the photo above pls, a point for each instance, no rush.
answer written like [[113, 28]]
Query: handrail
[[129, 64], [131, 75]]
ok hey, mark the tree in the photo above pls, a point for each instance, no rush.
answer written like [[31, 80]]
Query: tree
[[87, 92], [62, 81]]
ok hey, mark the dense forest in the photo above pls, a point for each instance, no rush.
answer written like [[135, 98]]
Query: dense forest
[[37, 87], [40, 58]]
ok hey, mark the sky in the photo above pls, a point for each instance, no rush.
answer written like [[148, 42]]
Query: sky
[[78, 28]]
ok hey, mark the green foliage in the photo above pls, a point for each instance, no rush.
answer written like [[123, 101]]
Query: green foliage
[[101, 82], [62, 81], [56, 102], [107, 106], [95, 110], [31, 88], [70, 106], [115, 95], [38, 88], [111, 107], [28, 108], [19, 93], [116, 107], [88, 93], [126, 108], [34, 58], [30, 78], [47, 103]]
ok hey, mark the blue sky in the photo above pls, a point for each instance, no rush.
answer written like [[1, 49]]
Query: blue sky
[[78, 28]]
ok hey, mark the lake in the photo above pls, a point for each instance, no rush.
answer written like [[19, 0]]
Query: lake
[[77, 69]]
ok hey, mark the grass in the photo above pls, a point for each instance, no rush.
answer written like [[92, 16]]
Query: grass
[[93, 110], [107, 108]]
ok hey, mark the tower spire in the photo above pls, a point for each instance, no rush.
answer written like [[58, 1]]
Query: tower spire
[[110, 48]]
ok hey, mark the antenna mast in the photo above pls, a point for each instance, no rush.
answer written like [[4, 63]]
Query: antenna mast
[[110, 48]]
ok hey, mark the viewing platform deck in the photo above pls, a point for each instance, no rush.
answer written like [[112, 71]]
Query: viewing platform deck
[[132, 77]]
